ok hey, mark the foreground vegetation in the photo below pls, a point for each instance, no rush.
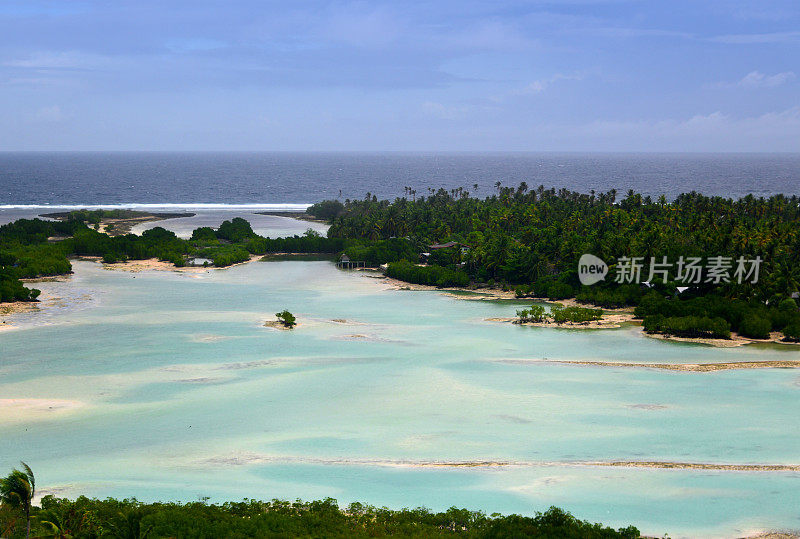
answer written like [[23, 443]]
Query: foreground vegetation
[[86, 518]]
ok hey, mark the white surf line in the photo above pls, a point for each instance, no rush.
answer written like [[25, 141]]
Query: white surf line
[[298, 207]]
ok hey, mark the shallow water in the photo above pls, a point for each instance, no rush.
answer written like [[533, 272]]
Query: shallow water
[[273, 226], [159, 385]]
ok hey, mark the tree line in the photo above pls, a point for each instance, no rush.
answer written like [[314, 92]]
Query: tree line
[[531, 240], [89, 518], [31, 248]]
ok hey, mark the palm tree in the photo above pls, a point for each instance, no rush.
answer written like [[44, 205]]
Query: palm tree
[[17, 490]]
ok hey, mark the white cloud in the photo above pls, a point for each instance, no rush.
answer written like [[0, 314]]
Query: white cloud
[[443, 112], [749, 39], [59, 60], [756, 79], [50, 114], [540, 85], [772, 131], [362, 25], [490, 35]]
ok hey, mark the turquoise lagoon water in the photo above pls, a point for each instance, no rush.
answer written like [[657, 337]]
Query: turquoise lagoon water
[[165, 385]]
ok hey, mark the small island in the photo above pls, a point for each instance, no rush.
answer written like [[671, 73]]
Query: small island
[[114, 222]]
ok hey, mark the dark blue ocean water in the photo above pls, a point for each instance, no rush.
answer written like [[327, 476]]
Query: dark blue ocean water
[[270, 178]]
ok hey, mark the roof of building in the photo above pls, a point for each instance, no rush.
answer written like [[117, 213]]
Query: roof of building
[[443, 245]]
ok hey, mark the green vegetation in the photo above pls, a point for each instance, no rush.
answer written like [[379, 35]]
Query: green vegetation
[[378, 252], [12, 289], [427, 275], [31, 248], [26, 252], [326, 210], [688, 326], [792, 332], [17, 490], [575, 315], [235, 231], [310, 242], [559, 314], [94, 217], [87, 518], [536, 313], [625, 295], [521, 236], [532, 240], [693, 316], [224, 255], [286, 318]]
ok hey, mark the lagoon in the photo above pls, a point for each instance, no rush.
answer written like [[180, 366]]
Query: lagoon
[[166, 385]]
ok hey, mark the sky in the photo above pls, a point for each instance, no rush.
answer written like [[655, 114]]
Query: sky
[[447, 75]]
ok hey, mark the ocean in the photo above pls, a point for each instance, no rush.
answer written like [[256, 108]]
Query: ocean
[[292, 180]]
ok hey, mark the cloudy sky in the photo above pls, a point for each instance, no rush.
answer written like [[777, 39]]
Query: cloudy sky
[[570, 75]]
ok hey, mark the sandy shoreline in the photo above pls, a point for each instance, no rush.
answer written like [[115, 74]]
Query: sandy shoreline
[[15, 307], [608, 321], [690, 367], [123, 225], [150, 264], [775, 337], [612, 318], [154, 264], [241, 459], [300, 216], [277, 324], [26, 409], [484, 294]]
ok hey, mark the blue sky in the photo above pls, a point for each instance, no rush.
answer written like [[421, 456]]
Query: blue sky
[[574, 75]]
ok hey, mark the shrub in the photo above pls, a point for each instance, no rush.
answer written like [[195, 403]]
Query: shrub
[[536, 313], [610, 298], [204, 234], [576, 315], [688, 326], [286, 318], [755, 327], [559, 290], [235, 230], [428, 275], [380, 252], [523, 291], [225, 255], [791, 332], [12, 289]]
